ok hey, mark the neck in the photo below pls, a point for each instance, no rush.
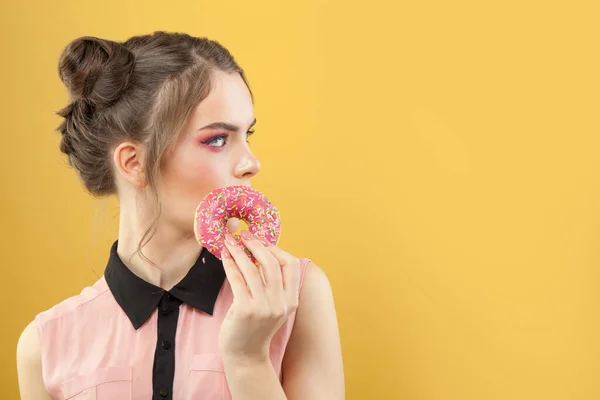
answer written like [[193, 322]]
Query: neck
[[172, 251]]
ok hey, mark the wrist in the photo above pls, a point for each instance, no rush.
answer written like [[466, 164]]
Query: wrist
[[245, 360]]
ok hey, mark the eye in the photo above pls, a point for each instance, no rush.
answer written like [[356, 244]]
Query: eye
[[217, 141], [248, 134]]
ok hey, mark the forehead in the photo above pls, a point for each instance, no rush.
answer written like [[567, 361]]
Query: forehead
[[228, 101]]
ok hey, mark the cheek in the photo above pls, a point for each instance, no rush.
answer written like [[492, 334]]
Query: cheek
[[203, 178], [195, 176], [184, 164], [191, 178], [189, 174]]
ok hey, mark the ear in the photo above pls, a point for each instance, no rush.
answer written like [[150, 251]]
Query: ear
[[129, 160]]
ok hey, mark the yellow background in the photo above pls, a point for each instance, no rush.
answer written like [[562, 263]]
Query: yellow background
[[438, 159]]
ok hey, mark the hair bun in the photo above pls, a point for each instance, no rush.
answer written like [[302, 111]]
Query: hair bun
[[96, 70]]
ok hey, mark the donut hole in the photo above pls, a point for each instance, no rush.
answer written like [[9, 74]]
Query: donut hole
[[236, 226]]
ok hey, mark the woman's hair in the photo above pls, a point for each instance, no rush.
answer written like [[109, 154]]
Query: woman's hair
[[140, 90]]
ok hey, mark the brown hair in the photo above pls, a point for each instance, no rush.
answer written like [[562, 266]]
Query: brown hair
[[141, 90]]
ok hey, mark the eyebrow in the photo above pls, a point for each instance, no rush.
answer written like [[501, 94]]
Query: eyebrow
[[225, 125]]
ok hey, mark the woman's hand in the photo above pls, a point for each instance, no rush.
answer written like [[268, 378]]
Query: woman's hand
[[263, 298]]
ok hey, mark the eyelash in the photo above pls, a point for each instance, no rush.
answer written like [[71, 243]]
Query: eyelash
[[225, 137]]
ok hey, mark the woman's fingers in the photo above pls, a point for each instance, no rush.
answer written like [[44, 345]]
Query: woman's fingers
[[290, 271], [279, 269], [245, 265], [233, 224], [234, 276], [267, 262]]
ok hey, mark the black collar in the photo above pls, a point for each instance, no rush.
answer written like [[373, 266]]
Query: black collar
[[138, 298]]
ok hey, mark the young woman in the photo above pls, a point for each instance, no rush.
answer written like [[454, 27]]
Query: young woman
[[159, 121]]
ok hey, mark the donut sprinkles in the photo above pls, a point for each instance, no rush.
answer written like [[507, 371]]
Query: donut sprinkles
[[242, 202]]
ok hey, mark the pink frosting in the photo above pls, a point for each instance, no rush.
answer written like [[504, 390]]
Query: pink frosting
[[241, 202]]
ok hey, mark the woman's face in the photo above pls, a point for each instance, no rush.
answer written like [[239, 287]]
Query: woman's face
[[212, 151]]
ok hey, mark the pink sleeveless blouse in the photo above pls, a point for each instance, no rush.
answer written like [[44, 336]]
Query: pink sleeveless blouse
[[125, 339]]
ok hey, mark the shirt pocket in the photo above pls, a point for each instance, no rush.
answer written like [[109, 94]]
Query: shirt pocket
[[107, 383], [206, 380]]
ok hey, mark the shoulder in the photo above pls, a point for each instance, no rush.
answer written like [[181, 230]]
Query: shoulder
[[316, 299], [29, 364], [314, 280], [86, 298], [28, 346], [312, 365]]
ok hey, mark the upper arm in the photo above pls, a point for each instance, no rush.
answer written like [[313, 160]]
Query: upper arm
[[312, 365], [29, 365]]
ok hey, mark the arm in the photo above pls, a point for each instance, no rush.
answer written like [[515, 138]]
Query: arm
[[252, 380], [29, 366], [312, 365]]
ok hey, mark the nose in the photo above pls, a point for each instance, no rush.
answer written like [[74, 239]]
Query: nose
[[248, 166]]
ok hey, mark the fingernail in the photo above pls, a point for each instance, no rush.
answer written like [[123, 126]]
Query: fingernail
[[246, 235], [225, 253], [265, 242], [229, 239]]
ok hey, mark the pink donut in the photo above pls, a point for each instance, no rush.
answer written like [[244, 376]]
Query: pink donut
[[242, 202]]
